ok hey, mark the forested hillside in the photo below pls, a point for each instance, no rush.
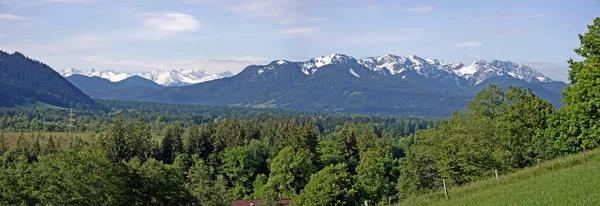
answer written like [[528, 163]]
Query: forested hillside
[[23, 79]]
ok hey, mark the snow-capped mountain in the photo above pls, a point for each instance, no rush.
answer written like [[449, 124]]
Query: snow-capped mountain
[[182, 77], [440, 71], [106, 74], [481, 70], [165, 78]]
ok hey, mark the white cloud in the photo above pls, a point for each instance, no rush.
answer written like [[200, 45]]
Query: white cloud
[[172, 22], [418, 9], [303, 30], [11, 17], [471, 44]]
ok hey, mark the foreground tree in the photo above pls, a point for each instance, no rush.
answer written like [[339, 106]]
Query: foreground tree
[[330, 186], [580, 126]]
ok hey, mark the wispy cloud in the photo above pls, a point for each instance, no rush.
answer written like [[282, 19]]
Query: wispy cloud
[[85, 42], [316, 19], [174, 22], [299, 30], [418, 9], [526, 16], [12, 17], [471, 44], [70, 1], [282, 11], [2, 35]]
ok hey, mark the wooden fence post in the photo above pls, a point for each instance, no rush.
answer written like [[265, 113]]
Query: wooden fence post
[[540, 166], [584, 155], [497, 178], [445, 189]]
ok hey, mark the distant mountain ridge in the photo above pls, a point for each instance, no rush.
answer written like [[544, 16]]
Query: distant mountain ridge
[[166, 78]]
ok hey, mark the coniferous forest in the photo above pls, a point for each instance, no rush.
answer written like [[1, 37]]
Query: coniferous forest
[[164, 154]]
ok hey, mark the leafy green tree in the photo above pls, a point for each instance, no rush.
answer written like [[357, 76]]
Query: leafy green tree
[[291, 170], [242, 165], [85, 177], [373, 179], [581, 124], [330, 186], [331, 153]]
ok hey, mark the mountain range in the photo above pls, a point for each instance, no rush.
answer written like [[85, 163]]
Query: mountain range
[[386, 84], [166, 78]]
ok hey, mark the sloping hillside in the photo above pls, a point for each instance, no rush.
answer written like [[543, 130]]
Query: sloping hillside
[[23, 79], [564, 181]]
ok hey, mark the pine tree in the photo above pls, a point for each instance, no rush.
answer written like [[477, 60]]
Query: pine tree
[[50, 146], [3, 144]]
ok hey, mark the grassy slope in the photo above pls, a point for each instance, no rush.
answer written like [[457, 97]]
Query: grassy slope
[[565, 181], [37, 105]]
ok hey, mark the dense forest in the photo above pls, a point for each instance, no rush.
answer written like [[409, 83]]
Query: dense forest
[[341, 160]]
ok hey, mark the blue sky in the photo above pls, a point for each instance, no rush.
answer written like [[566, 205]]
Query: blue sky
[[227, 35]]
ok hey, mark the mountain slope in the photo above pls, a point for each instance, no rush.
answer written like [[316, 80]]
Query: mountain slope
[[23, 79], [130, 88]]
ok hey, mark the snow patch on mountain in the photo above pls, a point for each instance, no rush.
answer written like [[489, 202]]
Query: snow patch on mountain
[[311, 66], [354, 73]]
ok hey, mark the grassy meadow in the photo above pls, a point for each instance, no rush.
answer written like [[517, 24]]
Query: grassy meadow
[[564, 181]]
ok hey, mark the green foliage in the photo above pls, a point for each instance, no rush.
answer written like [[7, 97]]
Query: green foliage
[[373, 180], [77, 178], [206, 186], [503, 131], [579, 118], [290, 171], [330, 186], [243, 164]]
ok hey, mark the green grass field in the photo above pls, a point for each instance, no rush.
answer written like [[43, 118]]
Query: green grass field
[[565, 181], [38, 105]]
